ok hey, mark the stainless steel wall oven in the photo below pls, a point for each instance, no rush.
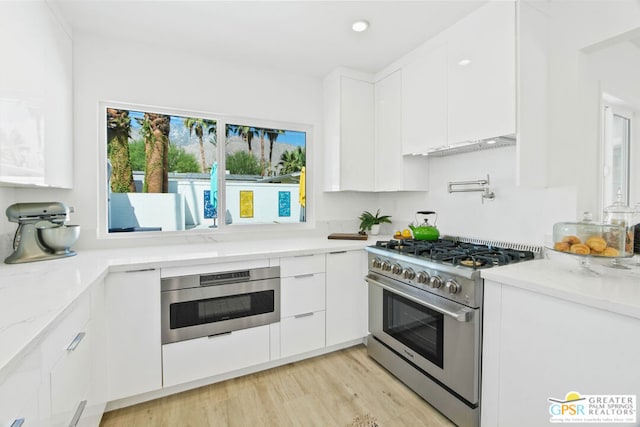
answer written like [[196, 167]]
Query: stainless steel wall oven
[[212, 304]]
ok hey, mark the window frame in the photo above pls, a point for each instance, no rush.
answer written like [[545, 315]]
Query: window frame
[[222, 121]]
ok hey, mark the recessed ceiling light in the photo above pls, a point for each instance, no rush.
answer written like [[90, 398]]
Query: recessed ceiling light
[[491, 141], [464, 62], [360, 26]]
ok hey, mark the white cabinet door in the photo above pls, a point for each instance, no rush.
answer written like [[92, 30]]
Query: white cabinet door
[[132, 302], [388, 137], [346, 296], [538, 347], [36, 102], [200, 358], [357, 135], [349, 131], [482, 93], [424, 101]]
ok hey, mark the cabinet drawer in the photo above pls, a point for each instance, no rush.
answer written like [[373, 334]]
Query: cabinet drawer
[[56, 343], [302, 334], [19, 392], [70, 381], [303, 264], [302, 294], [199, 358]]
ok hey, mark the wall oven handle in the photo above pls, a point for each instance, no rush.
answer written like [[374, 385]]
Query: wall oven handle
[[463, 315]]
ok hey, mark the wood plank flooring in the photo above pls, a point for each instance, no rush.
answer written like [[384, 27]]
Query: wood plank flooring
[[329, 390]]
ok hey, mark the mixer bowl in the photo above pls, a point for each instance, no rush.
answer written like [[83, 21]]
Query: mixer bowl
[[59, 239]]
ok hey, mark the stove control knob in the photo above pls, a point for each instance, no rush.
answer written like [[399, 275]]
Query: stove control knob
[[386, 266], [452, 286], [423, 277], [377, 263], [435, 282], [409, 273], [396, 269]]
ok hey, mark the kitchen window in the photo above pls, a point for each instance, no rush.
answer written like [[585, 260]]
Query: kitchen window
[[616, 154], [170, 170]]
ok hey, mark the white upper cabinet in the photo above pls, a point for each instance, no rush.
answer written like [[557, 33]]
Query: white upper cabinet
[[349, 131], [35, 96], [388, 114], [424, 101], [481, 71], [363, 135]]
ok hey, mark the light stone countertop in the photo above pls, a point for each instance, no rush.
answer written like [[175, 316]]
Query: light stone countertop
[[561, 276], [35, 296]]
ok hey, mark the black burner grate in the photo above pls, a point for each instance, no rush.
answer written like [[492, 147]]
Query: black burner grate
[[469, 255]]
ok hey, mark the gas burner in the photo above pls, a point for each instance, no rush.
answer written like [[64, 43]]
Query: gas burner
[[467, 255]]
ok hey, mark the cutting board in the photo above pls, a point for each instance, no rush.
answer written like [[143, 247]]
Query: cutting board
[[347, 236]]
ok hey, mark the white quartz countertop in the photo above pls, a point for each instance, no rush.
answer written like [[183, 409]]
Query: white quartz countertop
[[35, 296], [600, 286]]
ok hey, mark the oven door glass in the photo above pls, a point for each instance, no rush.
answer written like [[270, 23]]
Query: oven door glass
[[211, 310], [416, 326]]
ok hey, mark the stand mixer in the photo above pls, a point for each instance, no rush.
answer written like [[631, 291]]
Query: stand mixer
[[41, 232]]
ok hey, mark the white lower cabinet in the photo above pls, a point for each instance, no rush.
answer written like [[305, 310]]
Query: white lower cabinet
[[302, 333], [70, 381], [346, 296], [19, 393], [132, 303], [303, 303], [200, 358]]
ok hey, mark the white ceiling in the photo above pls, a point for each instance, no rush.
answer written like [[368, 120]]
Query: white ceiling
[[306, 37]]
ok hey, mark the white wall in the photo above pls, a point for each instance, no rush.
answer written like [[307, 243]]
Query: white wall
[[118, 70], [515, 215], [573, 144]]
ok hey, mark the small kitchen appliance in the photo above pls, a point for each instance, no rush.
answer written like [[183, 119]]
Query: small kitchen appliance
[[41, 233], [425, 316], [424, 230]]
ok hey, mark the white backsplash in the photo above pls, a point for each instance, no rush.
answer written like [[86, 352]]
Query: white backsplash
[[522, 215]]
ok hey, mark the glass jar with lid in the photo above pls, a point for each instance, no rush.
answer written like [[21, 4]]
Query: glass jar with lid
[[588, 238], [620, 214]]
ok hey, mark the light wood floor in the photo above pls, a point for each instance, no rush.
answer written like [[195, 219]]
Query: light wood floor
[[329, 390]]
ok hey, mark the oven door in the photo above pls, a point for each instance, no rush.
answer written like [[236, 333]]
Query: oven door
[[218, 309], [438, 336]]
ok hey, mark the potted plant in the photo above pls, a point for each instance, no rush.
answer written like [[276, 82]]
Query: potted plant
[[371, 222]]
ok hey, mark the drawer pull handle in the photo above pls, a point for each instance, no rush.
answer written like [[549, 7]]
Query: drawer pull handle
[[298, 316], [140, 270], [78, 414], [76, 341], [302, 256], [17, 422], [302, 276], [337, 252], [219, 335]]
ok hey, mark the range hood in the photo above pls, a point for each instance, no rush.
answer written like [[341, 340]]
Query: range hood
[[468, 146]]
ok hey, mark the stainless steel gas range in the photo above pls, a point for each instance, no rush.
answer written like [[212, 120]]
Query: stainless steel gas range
[[425, 317]]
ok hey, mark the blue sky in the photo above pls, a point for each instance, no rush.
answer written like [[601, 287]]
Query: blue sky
[[289, 137]]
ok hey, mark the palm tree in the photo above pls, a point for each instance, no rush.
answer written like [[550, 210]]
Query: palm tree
[[118, 134], [262, 161], [272, 134], [292, 161], [198, 126], [247, 133], [155, 130]]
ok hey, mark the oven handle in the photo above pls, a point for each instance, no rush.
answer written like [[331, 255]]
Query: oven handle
[[463, 315]]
